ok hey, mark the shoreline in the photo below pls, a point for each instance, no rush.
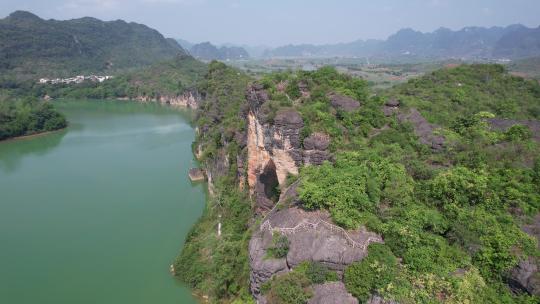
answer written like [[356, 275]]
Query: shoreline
[[29, 136]]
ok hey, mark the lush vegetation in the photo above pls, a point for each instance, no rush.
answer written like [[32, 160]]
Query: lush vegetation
[[27, 116], [374, 272], [279, 248], [31, 47], [169, 78], [446, 94], [452, 217], [294, 287], [218, 266]]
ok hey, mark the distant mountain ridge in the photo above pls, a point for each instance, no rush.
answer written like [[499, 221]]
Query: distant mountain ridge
[[29, 44], [208, 51], [514, 41]]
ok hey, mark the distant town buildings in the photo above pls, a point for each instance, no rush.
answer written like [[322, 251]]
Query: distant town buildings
[[76, 79]]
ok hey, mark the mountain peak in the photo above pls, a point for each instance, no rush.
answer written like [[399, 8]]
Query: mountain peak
[[23, 15]]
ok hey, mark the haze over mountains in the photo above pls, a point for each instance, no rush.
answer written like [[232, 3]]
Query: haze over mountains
[[514, 41], [208, 51], [511, 42], [31, 45]]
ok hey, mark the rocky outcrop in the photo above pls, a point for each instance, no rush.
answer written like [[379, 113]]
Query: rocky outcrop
[[342, 102], [375, 299], [423, 129], [315, 149], [186, 100], [196, 174], [275, 149], [501, 124], [312, 237], [331, 293], [216, 167], [525, 276], [391, 106]]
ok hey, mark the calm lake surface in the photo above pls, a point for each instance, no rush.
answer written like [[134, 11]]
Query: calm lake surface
[[96, 213]]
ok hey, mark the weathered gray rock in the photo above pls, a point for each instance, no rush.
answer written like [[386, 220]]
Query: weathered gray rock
[[315, 147], [501, 124], [392, 102], [375, 299], [331, 293], [342, 102], [288, 123], [391, 106], [525, 276], [423, 129], [317, 141], [316, 157], [312, 237], [256, 94], [196, 174], [304, 89], [533, 229], [263, 268]]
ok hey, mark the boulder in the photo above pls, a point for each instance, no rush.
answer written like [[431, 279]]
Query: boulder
[[316, 157], [391, 106], [317, 141], [392, 102], [256, 94], [196, 174], [331, 293], [315, 147], [525, 276], [342, 102]]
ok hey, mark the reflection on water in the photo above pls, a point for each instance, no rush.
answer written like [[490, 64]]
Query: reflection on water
[[11, 155], [96, 213]]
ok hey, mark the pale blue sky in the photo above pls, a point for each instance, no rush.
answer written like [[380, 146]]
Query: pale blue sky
[[276, 22]]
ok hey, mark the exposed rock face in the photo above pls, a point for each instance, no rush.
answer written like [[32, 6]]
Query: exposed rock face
[[315, 149], [378, 300], [331, 293], [304, 89], [342, 102], [533, 229], [312, 237], [275, 148], [525, 276], [391, 106], [196, 174], [186, 100], [505, 124], [215, 168], [423, 129]]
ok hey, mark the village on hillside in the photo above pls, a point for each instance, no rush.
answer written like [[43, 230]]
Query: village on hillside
[[76, 79]]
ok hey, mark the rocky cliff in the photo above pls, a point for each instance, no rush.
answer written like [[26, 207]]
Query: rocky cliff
[[187, 100], [275, 148]]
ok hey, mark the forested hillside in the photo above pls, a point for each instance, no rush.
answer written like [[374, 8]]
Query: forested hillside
[[31, 47], [445, 169], [28, 116], [167, 78]]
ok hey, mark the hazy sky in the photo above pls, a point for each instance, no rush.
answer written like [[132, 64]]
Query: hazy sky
[[276, 22]]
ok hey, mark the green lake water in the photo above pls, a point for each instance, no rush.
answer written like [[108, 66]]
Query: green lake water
[[96, 213]]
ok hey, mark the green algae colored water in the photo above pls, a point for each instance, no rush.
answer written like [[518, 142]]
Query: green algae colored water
[[96, 213]]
